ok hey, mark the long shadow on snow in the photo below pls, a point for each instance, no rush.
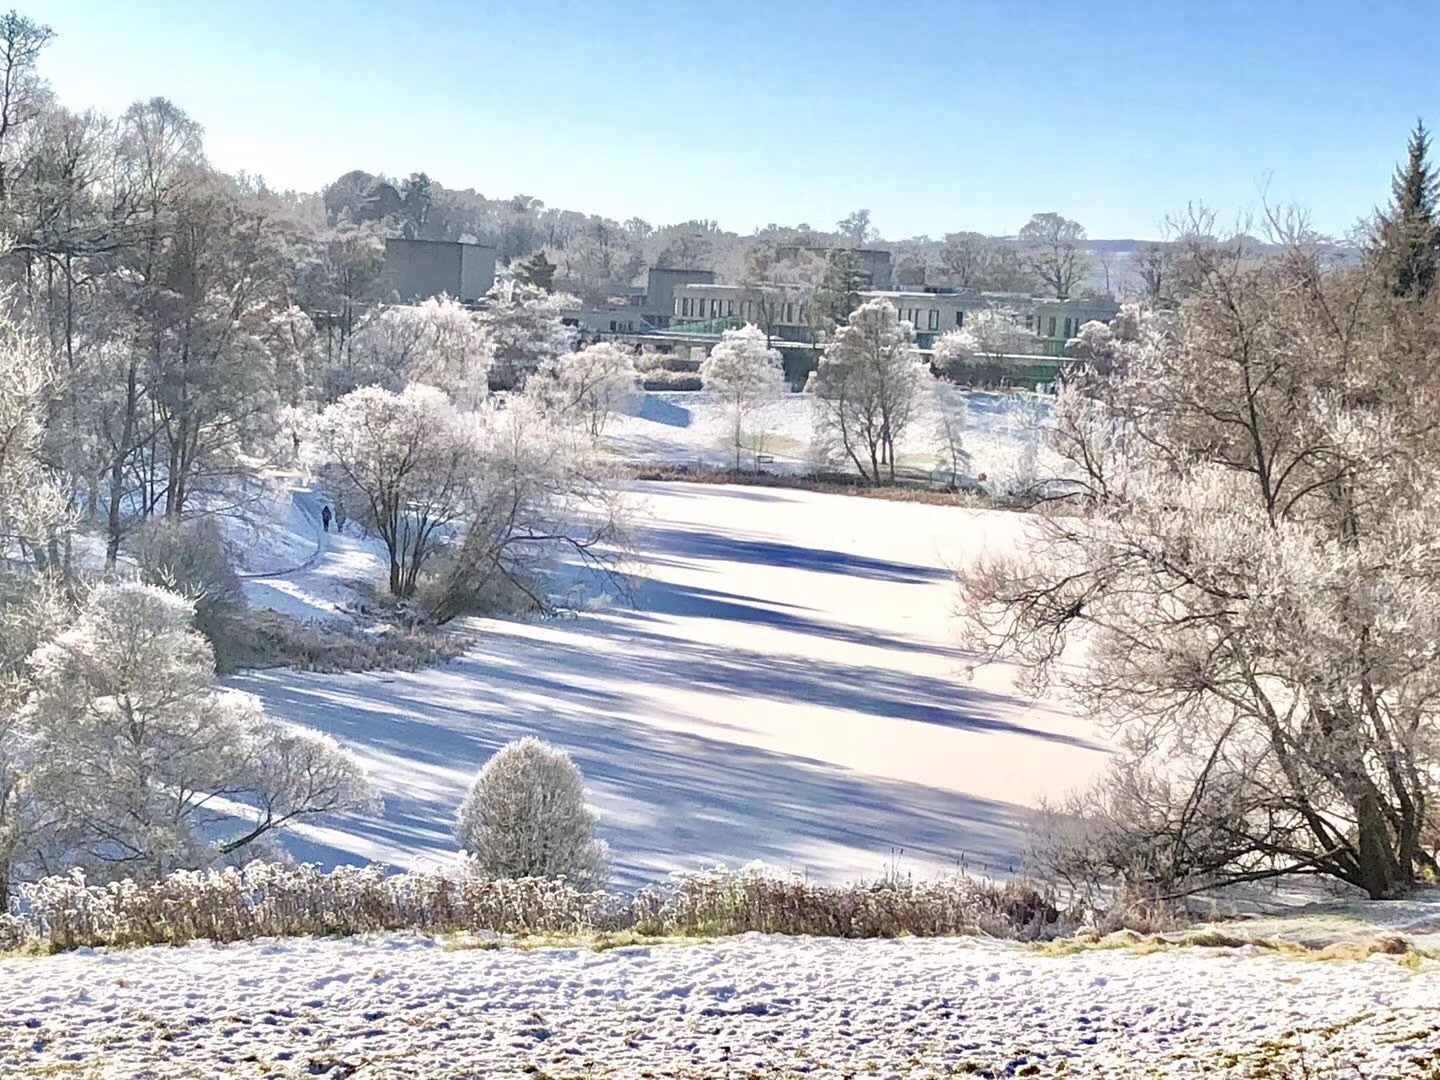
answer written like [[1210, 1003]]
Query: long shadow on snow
[[653, 597], [668, 800], [685, 543]]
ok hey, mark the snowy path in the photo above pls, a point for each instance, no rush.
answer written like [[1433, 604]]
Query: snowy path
[[305, 508], [787, 687], [400, 1006]]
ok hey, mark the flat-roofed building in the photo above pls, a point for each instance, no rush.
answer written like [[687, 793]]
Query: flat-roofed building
[[419, 269]]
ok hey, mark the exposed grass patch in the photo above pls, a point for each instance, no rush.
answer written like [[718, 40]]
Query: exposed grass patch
[[254, 638]]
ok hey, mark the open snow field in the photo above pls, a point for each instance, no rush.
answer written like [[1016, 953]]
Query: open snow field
[[691, 428], [403, 1006], [786, 687]]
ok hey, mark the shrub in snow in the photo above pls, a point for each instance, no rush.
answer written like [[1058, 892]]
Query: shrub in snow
[[525, 816], [272, 900], [190, 558]]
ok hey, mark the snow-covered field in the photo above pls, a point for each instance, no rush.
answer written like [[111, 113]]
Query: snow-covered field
[[691, 428], [403, 1006], [786, 687]]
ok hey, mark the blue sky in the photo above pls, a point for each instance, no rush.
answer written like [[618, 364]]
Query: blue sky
[[937, 116]]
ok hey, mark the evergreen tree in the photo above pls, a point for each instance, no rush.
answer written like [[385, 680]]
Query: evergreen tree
[[537, 270], [1410, 230]]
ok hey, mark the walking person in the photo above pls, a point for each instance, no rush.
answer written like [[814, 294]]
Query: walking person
[[325, 518]]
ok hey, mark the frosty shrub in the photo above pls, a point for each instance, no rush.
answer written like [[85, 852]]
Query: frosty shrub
[[273, 900], [525, 816], [190, 558]]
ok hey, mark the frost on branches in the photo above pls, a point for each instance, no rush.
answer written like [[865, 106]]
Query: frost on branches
[[477, 510], [590, 385], [868, 387], [525, 330], [744, 372], [525, 817], [437, 343], [1249, 581], [980, 351], [133, 764]]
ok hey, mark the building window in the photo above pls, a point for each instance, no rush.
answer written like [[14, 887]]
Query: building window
[[789, 314], [934, 318], [960, 317], [729, 307], [612, 326], [1051, 332]]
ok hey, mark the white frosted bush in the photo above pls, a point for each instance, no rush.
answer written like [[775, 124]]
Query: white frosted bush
[[525, 816]]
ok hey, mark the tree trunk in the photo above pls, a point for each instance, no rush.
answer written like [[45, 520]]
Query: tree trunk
[[1380, 874]]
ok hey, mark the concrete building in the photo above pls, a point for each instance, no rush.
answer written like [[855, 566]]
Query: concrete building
[[419, 269], [660, 285], [783, 311], [638, 309]]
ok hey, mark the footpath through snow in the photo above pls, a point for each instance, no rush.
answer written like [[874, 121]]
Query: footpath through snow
[[403, 1006]]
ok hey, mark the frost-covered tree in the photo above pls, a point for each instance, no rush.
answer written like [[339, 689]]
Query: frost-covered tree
[[436, 342], [32, 506], [746, 374], [980, 351], [402, 464], [139, 765], [539, 505], [525, 816], [868, 387], [952, 416], [1250, 564], [1102, 347], [525, 329], [590, 385], [1053, 251]]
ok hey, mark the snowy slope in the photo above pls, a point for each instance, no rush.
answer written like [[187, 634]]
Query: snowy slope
[[786, 688], [402, 1006]]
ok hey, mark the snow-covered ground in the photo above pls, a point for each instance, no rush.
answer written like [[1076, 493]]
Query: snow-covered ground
[[404, 1006], [786, 688], [1003, 435]]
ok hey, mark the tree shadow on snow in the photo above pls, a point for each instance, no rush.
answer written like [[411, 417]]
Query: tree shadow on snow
[[685, 543]]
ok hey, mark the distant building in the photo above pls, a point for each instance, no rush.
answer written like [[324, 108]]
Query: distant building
[[419, 269], [783, 311], [635, 309]]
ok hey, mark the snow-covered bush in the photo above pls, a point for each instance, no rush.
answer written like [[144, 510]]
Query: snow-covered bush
[[271, 900], [525, 816], [192, 559], [131, 751]]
